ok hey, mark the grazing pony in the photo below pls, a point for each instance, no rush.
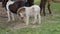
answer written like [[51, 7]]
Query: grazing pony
[[42, 6], [26, 12]]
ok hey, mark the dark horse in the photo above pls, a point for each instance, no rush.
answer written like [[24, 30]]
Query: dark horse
[[12, 6], [42, 6]]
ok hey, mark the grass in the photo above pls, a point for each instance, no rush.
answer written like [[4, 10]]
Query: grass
[[49, 25]]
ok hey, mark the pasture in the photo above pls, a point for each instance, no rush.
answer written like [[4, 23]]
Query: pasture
[[49, 25]]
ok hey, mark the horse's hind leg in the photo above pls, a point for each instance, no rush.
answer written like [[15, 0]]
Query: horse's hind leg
[[8, 14], [12, 15], [49, 8]]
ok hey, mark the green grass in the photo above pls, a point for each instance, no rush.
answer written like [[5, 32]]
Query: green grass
[[49, 25]]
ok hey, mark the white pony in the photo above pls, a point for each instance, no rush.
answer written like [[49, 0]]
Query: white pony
[[26, 12]]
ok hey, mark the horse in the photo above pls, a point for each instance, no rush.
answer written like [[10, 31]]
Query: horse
[[26, 12], [42, 6]]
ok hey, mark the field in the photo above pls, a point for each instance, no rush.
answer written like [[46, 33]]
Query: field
[[49, 24]]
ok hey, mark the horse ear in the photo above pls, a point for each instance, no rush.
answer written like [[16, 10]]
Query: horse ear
[[20, 10]]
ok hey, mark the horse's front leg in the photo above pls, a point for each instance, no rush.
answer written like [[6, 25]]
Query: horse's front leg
[[43, 4], [44, 10], [27, 19]]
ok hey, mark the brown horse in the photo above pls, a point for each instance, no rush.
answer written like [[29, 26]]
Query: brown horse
[[42, 6]]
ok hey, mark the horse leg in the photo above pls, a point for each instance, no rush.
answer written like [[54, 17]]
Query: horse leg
[[39, 18], [8, 13], [40, 8], [12, 16], [44, 3], [27, 19], [44, 10], [49, 8], [35, 18]]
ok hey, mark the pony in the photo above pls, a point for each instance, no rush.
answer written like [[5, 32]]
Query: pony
[[27, 12]]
